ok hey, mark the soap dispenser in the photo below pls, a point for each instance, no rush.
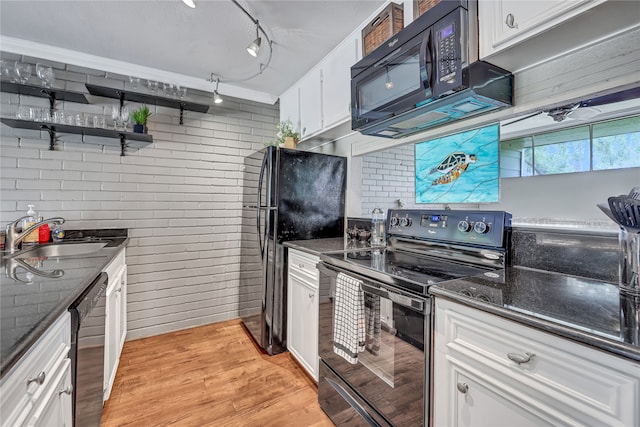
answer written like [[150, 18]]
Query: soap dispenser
[[33, 237]]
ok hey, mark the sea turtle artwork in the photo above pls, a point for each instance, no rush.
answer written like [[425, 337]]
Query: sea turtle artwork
[[452, 166]]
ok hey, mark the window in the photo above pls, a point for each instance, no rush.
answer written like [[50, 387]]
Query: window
[[605, 145]]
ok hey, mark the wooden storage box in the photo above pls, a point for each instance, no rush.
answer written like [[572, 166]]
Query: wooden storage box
[[421, 6], [387, 23]]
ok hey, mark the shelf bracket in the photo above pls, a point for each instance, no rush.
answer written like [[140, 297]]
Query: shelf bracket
[[52, 136], [52, 98], [181, 113], [121, 98], [123, 145]]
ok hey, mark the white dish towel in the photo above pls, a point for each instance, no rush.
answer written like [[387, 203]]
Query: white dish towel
[[349, 321]]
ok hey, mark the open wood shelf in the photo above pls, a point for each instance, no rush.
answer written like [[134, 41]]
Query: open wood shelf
[[126, 139], [143, 98], [43, 92]]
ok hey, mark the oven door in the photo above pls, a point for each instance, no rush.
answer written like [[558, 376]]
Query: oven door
[[389, 374]]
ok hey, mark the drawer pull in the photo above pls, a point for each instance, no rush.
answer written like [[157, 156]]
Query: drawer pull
[[68, 390], [462, 387], [520, 359], [37, 379], [301, 266], [511, 21]]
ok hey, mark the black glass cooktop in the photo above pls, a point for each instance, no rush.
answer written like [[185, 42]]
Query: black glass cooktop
[[406, 269]]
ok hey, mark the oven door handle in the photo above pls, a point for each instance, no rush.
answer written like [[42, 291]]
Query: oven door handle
[[403, 300], [352, 402]]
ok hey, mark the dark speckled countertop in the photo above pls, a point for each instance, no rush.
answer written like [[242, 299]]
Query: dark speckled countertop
[[28, 309], [585, 310], [321, 246]]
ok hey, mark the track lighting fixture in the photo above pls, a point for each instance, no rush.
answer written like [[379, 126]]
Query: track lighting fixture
[[190, 3], [254, 47]]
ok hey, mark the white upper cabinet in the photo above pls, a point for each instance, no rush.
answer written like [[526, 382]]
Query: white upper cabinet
[[516, 34], [336, 81], [310, 103], [290, 107]]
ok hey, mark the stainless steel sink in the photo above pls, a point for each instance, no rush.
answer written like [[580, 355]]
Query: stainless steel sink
[[60, 250]]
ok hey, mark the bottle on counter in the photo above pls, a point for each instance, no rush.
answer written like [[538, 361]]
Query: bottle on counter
[[33, 237], [44, 232], [378, 236]]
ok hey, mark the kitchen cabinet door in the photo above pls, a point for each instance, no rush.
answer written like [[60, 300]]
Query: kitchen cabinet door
[[310, 103], [336, 82], [302, 310], [302, 341], [488, 368], [55, 407], [115, 322], [290, 106], [505, 23], [122, 310], [114, 338]]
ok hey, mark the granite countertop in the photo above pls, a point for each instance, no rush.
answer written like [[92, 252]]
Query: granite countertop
[[585, 310], [321, 246], [30, 303]]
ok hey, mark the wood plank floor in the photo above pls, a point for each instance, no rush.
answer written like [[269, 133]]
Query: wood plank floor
[[213, 375]]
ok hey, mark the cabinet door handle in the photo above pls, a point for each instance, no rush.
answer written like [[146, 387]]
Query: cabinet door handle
[[519, 358], [510, 20], [462, 387], [68, 390], [37, 379], [311, 296]]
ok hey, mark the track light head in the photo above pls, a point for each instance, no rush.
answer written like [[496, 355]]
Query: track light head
[[254, 47], [217, 99], [190, 3]]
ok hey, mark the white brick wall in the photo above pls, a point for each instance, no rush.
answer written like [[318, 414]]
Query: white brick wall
[[180, 197], [388, 176]]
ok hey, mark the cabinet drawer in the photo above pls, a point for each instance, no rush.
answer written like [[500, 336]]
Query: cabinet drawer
[[44, 358], [302, 263], [586, 384]]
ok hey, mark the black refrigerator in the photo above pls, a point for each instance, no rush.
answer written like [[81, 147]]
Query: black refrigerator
[[287, 195]]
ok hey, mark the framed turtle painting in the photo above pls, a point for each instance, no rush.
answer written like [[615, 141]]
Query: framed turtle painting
[[459, 168]]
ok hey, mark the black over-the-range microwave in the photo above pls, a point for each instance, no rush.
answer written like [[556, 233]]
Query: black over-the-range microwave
[[428, 74]]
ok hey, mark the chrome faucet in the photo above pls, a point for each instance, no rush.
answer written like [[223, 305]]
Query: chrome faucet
[[12, 237]]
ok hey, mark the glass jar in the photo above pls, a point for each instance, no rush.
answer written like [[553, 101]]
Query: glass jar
[[378, 235]]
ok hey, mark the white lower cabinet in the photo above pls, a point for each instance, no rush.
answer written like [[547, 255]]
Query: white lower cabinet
[[302, 310], [116, 319], [37, 391], [492, 371]]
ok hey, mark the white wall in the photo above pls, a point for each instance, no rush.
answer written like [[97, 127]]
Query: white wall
[[180, 197]]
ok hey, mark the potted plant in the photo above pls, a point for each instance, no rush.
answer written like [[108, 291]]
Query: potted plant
[[140, 116], [286, 136]]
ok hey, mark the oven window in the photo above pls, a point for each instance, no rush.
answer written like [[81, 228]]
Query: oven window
[[398, 78], [389, 368]]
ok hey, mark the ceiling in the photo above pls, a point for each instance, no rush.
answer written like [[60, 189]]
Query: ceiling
[[152, 37]]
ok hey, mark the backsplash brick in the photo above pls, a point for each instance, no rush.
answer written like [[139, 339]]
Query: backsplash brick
[[386, 177], [180, 196]]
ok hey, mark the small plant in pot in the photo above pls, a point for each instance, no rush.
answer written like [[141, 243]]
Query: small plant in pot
[[286, 136], [140, 117]]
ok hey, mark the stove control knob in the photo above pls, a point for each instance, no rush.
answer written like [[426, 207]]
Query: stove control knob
[[481, 227], [405, 222], [394, 221], [464, 226]]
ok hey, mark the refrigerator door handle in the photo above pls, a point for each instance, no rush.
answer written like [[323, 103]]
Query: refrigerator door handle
[[260, 179]]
